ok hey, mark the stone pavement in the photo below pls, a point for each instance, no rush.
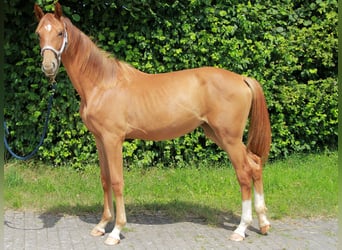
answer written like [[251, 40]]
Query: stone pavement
[[30, 230]]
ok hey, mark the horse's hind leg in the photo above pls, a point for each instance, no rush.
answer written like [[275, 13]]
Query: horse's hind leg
[[259, 200], [248, 169], [238, 155], [211, 135]]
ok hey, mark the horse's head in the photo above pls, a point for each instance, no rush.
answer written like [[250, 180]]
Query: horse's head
[[53, 37]]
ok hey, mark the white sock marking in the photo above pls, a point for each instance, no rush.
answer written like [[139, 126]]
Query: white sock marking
[[261, 209], [246, 218], [115, 234], [259, 201]]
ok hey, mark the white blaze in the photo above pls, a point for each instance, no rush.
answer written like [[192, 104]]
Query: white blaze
[[48, 27]]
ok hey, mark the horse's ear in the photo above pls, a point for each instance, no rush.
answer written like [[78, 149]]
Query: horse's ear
[[58, 11], [38, 12]]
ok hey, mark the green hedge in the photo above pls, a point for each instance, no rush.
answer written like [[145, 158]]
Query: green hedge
[[290, 47]]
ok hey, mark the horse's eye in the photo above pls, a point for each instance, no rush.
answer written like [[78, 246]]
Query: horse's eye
[[60, 34]]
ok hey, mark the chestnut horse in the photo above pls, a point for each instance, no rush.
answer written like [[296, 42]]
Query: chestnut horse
[[119, 102]]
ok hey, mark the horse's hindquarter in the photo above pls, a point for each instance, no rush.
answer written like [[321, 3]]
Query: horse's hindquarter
[[165, 106]]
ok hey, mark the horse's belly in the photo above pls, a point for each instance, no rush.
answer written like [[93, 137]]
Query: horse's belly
[[158, 130]]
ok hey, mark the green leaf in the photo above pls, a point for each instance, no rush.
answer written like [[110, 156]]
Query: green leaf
[[76, 17], [222, 13]]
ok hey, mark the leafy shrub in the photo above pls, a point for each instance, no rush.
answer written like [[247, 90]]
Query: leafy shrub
[[290, 47]]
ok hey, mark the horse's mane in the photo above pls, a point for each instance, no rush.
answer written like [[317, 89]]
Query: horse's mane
[[98, 65]]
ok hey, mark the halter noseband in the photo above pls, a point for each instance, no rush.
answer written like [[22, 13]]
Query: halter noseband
[[58, 53]]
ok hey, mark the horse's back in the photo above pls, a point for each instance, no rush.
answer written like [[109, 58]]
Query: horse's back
[[189, 81]]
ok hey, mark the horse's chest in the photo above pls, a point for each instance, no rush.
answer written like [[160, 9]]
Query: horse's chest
[[84, 116], [90, 119], [101, 118]]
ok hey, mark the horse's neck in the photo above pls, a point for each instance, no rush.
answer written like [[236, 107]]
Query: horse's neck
[[86, 64]]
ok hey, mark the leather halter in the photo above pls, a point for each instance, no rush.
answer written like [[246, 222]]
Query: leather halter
[[58, 53]]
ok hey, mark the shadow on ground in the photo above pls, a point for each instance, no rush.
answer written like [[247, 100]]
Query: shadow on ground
[[148, 214]]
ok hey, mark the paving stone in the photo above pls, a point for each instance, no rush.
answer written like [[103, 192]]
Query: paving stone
[[28, 230]]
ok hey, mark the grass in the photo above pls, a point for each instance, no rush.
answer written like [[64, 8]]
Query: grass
[[300, 186]]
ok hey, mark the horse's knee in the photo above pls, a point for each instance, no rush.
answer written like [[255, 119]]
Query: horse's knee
[[117, 187], [105, 183]]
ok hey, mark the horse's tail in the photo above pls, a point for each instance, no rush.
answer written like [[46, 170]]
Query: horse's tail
[[259, 134]]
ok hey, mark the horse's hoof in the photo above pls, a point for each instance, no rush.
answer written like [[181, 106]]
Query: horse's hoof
[[265, 229], [96, 232], [111, 241], [236, 237]]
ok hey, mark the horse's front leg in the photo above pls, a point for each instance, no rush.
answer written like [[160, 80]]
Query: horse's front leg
[[113, 155], [108, 211]]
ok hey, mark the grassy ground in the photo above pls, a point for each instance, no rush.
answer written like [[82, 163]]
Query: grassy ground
[[300, 186]]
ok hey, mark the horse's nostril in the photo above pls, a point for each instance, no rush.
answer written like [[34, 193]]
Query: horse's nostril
[[49, 68], [46, 67]]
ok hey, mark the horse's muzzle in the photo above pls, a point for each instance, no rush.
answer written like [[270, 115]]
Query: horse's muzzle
[[49, 69], [50, 64]]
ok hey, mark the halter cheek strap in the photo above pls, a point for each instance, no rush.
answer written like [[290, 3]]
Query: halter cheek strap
[[58, 53]]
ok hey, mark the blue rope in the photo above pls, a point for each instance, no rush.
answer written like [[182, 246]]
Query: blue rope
[[35, 150]]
